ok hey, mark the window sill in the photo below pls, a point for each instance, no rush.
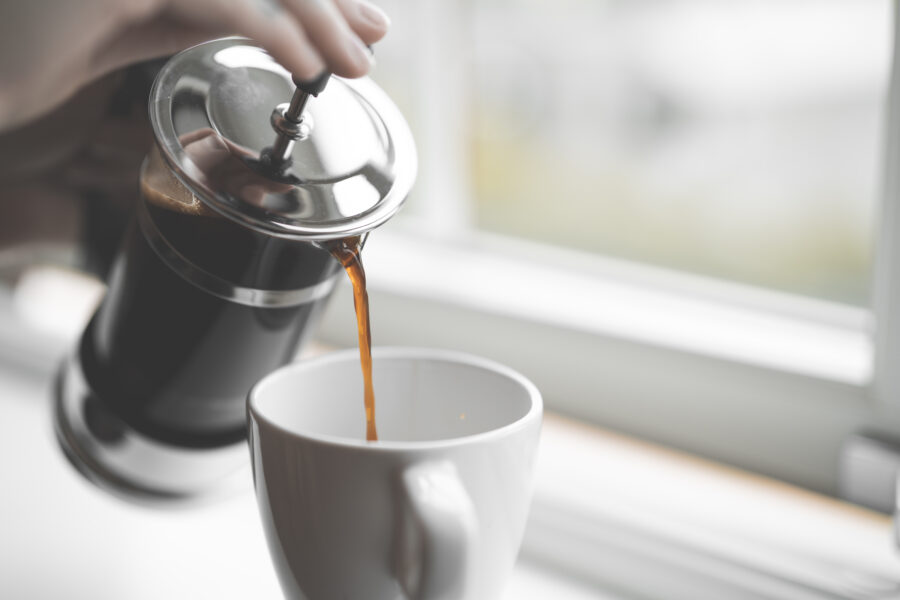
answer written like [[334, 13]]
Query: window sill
[[657, 523]]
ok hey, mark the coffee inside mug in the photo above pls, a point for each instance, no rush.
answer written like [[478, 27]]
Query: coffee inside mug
[[440, 396]]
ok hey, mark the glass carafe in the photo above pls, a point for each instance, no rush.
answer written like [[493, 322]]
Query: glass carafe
[[225, 267]]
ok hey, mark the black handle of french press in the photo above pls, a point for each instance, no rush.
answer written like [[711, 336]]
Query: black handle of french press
[[315, 86]]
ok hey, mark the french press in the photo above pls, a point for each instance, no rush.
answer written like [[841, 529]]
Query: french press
[[225, 267]]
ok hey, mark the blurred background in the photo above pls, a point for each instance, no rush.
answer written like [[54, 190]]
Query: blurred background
[[739, 140]]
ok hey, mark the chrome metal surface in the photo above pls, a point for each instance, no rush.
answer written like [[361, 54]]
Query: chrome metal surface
[[349, 175], [222, 288], [290, 125], [130, 465]]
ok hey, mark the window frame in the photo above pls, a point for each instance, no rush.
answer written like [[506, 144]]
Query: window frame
[[885, 383]]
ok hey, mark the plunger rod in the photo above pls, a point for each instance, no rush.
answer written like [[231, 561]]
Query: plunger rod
[[287, 122]]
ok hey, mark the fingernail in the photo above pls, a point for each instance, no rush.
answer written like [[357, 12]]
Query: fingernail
[[359, 53], [315, 66], [374, 15], [307, 64]]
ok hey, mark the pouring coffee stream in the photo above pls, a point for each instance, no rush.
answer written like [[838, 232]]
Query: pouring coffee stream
[[349, 252], [288, 122]]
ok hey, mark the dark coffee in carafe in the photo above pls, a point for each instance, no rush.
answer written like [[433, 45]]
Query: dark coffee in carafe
[[175, 343]]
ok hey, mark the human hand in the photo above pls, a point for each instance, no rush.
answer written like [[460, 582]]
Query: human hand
[[51, 48], [68, 180]]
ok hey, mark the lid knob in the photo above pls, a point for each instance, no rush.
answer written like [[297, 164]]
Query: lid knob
[[287, 121]]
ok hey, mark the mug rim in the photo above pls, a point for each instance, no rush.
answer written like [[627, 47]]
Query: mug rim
[[407, 352]]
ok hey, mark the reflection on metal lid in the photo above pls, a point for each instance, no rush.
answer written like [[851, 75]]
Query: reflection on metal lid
[[210, 108]]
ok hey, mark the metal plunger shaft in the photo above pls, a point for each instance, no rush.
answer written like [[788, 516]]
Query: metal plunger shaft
[[287, 121]]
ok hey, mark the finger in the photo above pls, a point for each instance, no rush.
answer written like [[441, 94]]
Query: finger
[[265, 21], [342, 49], [368, 21]]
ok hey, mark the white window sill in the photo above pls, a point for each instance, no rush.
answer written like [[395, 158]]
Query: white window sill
[[661, 524]]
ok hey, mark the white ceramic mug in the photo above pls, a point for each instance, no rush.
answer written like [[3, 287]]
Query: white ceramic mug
[[434, 510]]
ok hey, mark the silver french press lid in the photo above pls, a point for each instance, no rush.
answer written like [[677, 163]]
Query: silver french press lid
[[238, 132]]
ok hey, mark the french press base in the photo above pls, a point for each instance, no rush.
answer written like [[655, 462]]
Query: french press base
[[125, 463]]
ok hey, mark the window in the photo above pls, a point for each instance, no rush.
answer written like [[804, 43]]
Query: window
[[680, 133], [660, 211]]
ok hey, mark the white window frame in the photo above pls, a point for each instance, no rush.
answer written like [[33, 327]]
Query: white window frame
[[885, 382]]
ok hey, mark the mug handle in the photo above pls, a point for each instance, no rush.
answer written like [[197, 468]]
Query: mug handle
[[439, 532]]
